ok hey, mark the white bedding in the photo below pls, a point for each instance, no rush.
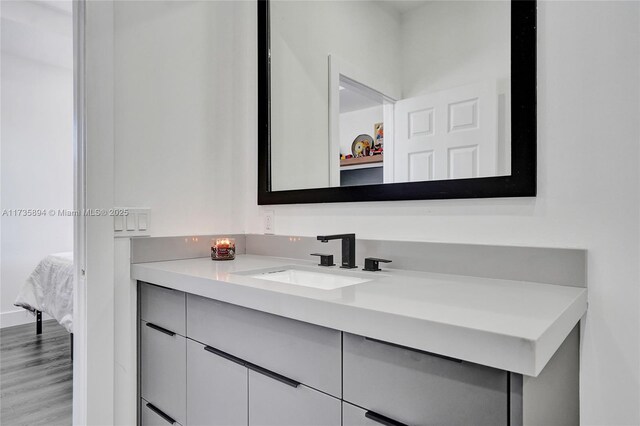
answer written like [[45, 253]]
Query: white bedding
[[49, 289]]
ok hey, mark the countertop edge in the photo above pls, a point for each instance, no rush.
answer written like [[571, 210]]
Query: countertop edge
[[510, 353], [550, 341]]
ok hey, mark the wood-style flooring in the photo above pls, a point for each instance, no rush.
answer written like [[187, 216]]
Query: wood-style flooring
[[35, 375]]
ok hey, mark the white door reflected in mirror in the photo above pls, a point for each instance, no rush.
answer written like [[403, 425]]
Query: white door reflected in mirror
[[415, 91]]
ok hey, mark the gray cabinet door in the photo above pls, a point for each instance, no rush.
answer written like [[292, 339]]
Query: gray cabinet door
[[163, 365], [356, 416], [416, 388], [164, 307], [217, 389], [153, 416], [304, 352], [272, 403]]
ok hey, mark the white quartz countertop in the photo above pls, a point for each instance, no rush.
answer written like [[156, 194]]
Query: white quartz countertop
[[512, 325]]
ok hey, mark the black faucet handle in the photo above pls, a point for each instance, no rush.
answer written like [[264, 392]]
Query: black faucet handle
[[372, 263], [325, 259]]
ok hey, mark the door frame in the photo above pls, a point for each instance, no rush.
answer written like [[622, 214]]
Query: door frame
[[79, 223], [94, 183], [340, 68]]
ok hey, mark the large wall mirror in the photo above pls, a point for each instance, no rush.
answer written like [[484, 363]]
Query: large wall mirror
[[366, 100]]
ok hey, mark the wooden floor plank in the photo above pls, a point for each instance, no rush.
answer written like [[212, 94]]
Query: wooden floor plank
[[17, 377], [35, 375]]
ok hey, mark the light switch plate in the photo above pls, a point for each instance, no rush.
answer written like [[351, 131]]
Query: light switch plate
[[132, 222], [118, 223]]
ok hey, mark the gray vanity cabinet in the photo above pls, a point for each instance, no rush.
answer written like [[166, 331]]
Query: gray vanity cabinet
[[163, 370], [163, 307], [152, 416], [285, 359], [301, 351], [274, 403], [237, 366], [217, 388], [163, 355], [416, 388], [355, 416]]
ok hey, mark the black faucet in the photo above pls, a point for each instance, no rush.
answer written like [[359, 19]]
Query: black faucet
[[348, 248]]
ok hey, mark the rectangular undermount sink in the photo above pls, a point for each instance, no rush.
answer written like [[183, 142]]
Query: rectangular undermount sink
[[311, 279]]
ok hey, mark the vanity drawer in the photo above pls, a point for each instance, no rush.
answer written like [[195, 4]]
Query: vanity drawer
[[417, 388], [154, 416], [217, 388], [273, 403], [303, 352], [356, 416], [163, 307], [163, 370]]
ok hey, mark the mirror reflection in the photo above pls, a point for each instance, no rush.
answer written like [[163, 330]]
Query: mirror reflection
[[368, 92]]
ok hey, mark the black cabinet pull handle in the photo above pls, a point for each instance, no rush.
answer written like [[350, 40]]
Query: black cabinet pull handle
[[160, 329], [379, 418], [273, 375], [253, 367], [395, 345], [225, 355], [160, 413]]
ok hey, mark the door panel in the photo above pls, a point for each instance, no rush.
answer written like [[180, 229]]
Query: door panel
[[450, 134], [421, 166], [463, 162]]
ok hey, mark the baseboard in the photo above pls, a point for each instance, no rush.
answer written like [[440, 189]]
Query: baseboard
[[18, 317]]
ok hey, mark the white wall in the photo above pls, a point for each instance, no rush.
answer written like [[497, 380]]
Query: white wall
[[588, 109], [447, 44], [178, 147], [175, 146], [355, 123], [37, 144]]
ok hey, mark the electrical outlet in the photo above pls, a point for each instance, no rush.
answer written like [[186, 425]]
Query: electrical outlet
[[268, 221]]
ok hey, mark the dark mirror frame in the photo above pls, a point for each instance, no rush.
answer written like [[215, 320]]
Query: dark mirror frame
[[521, 182]]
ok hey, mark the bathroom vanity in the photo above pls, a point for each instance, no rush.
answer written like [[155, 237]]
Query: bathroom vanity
[[221, 345], [452, 334]]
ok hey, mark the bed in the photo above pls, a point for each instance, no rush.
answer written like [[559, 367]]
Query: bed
[[49, 289]]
